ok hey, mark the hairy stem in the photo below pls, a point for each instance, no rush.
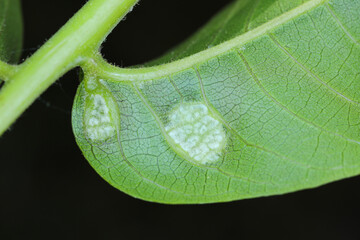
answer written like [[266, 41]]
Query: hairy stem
[[80, 37]]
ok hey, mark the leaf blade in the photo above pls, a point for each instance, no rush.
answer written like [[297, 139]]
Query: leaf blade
[[290, 117], [10, 30]]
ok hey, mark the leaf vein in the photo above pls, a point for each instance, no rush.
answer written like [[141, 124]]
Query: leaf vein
[[347, 33], [284, 107], [213, 111], [159, 123], [277, 43]]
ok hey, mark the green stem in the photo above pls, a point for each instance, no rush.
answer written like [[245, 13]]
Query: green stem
[[80, 37], [6, 71]]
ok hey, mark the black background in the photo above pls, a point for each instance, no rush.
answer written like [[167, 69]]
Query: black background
[[49, 191]]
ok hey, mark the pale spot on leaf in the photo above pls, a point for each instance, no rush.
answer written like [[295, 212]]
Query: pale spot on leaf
[[196, 132], [98, 123]]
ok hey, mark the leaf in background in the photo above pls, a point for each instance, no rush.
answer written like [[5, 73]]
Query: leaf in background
[[272, 108], [10, 30]]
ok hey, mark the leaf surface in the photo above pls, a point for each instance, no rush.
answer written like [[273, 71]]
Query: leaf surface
[[10, 30], [263, 100]]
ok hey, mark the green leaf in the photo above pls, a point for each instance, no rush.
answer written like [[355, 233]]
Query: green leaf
[[271, 107], [10, 30]]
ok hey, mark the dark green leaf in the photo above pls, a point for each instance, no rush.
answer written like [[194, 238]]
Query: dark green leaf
[[10, 30]]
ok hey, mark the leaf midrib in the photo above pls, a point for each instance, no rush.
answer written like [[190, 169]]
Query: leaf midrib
[[149, 73]]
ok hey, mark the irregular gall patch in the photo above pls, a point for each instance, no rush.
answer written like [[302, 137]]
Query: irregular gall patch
[[197, 132], [98, 122], [101, 114]]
